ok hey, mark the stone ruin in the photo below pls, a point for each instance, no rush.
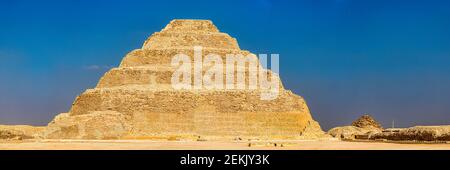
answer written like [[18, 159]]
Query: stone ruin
[[366, 121], [367, 128], [362, 128], [137, 101]]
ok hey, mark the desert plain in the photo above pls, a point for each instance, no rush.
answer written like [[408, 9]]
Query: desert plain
[[216, 145]]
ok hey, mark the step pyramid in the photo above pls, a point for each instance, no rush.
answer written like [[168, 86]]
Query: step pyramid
[[137, 101]]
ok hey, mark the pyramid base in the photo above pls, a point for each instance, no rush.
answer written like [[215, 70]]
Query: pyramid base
[[195, 125]]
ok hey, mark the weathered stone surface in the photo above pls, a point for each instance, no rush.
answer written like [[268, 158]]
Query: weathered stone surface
[[95, 125], [364, 127], [136, 100], [366, 121], [367, 128], [153, 77], [186, 33], [351, 132], [19, 132], [417, 133], [152, 57]]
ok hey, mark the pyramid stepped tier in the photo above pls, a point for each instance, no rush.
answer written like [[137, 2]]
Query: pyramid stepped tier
[[197, 26], [186, 33], [136, 100], [163, 40], [127, 100], [222, 113], [142, 57], [157, 75]]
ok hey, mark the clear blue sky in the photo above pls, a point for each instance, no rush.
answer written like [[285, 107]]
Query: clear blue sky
[[389, 58]]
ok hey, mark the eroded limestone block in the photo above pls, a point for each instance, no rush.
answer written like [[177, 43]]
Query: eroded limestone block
[[351, 132], [417, 133], [19, 132], [95, 125]]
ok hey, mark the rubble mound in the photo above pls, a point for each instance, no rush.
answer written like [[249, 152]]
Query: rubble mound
[[351, 132], [417, 133], [366, 121], [362, 128], [19, 132]]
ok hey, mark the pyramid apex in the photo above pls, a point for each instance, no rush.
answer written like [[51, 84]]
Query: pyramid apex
[[190, 25], [191, 20]]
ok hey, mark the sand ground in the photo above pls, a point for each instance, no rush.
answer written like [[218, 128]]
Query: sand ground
[[212, 145]]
